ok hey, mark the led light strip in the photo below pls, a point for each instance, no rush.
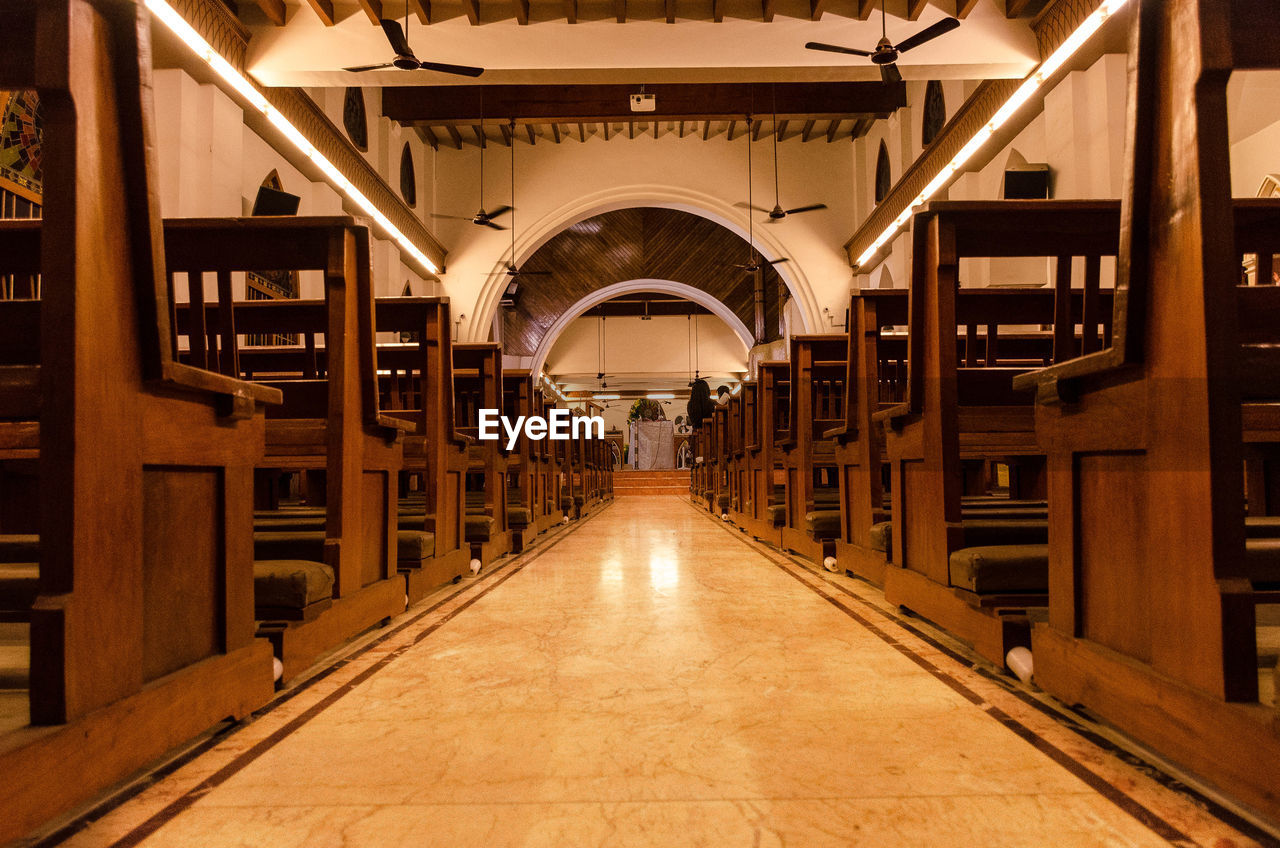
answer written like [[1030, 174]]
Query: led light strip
[[1015, 102], [246, 89]]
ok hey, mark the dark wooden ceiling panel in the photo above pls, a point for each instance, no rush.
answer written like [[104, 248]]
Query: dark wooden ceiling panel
[[633, 244]]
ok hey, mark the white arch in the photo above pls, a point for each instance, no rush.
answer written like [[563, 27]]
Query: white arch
[[599, 296], [626, 197]]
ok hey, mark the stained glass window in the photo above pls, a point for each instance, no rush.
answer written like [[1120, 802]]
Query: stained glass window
[[408, 177], [884, 178], [935, 112], [353, 118], [21, 156]]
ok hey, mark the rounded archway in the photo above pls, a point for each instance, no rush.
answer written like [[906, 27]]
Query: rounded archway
[[537, 234], [715, 306]]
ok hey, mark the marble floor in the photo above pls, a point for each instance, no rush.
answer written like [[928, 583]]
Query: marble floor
[[649, 677]]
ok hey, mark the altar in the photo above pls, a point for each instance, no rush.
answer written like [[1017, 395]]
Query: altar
[[653, 446]]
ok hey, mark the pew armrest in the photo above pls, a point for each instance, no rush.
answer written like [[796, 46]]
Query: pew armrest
[[1059, 383], [893, 416], [842, 432], [237, 398]]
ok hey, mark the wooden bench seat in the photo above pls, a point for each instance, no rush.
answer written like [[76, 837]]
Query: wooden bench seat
[[957, 407], [291, 589], [329, 424]]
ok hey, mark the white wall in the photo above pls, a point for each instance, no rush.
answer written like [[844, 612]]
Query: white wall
[[211, 164], [657, 352], [559, 184]]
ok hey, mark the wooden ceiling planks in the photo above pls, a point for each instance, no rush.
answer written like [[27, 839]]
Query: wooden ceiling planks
[[630, 244]]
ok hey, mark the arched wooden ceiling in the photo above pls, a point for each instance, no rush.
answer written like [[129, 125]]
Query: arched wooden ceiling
[[634, 244]]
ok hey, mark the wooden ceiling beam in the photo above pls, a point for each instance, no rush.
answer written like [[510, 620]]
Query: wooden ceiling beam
[[544, 104], [372, 8], [533, 136], [807, 133], [717, 11], [620, 10], [767, 8], [964, 7], [832, 129], [323, 10], [571, 11], [481, 139], [816, 8], [506, 134], [914, 8], [1017, 8], [522, 11], [706, 130], [861, 127], [582, 133], [274, 10], [780, 129], [421, 8], [472, 8], [606, 130], [865, 8], [756, 126], [428, 137], [729, 133], [671, 10], [555, 132], [455, 135]]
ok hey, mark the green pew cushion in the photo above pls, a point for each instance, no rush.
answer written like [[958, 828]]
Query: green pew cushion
[[19, 548], [19, 585], [519, 516], [823, 523], [776, 513], [882, 537], [415, 544], [479, 528], [291, 583], [289, 545], [992, 569], [984, 532]]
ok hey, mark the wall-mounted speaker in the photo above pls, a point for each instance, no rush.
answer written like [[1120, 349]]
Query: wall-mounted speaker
[[1026, 182], [271, 201]]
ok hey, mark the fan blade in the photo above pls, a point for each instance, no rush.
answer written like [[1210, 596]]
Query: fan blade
[[942, 27], [534, 273], [451, 217], [775, 261], [890, 74], [458, 70], [835, 48], [812, 208], [501, 210], [395, 34], [362, 68], [741, 205], [492, 225]]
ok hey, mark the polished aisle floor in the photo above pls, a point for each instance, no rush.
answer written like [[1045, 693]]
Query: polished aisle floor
[[649, 677]]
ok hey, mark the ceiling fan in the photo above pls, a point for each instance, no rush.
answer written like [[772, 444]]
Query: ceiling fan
[[513, 272], [777, 213], [481, 218], [755, 261], [405, 60], [886, 53]]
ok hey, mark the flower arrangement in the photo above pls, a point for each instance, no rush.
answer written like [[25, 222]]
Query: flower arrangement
[[645, 409]]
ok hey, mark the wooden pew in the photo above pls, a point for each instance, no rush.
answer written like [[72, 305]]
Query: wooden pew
[[764, 513], [875, 378], [1153, 575], [735, 454], [817, 374], [976, 574], [418, 387], [746, 439], [717, 494], [477, 379], [523, 486], [330, 422], [142, 621]]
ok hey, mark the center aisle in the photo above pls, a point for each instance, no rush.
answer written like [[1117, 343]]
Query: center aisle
[[649, 679]]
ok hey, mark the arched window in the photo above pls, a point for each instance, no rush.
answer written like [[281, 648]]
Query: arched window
[[935, 112], [408, 177], [884, 179], [353, 118]]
